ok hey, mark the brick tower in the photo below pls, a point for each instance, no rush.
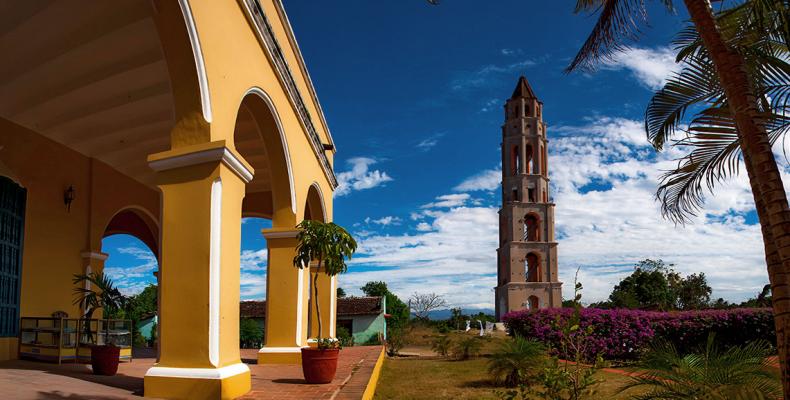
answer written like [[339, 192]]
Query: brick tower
[[527, 254]]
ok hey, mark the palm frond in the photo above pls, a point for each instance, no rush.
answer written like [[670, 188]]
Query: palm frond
[[618, 23]]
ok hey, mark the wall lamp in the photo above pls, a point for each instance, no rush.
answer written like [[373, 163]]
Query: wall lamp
[[68, 197]]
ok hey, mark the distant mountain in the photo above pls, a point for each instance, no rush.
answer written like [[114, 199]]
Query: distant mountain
[[445, 314]]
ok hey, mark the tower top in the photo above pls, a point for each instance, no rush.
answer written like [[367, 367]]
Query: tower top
[[523, 89]]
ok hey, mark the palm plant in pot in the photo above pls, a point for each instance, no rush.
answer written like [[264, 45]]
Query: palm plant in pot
[[328, 245], [95, 291]]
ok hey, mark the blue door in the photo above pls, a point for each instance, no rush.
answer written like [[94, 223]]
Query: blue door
[[12, 224]]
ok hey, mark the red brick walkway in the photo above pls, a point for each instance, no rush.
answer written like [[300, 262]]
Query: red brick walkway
[[21, 379]]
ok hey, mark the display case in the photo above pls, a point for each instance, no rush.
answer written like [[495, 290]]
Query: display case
[[105, 331], [68, 339], [48, 339]]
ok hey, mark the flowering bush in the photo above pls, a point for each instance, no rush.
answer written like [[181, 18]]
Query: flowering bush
[[622, 334]]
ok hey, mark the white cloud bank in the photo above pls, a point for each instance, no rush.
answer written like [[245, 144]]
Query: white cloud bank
[[360, 177], [651, 67], [604, 176]]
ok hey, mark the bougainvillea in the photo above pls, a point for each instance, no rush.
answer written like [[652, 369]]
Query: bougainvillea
[[623, 334]]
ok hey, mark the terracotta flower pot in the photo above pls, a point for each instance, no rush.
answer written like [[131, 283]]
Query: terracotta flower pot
[[319, 366], [104, 359]]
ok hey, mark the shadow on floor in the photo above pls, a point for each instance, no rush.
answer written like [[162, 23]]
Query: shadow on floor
[[290, 381], [58, 395]]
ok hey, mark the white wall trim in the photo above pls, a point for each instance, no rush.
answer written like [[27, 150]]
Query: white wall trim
[[199, 373], [281, 234], [300, 303], [93, 255], [266, 99], [323, 204], [199, 157], [215, 259], [332, 306], [197, 52], [266, 350]]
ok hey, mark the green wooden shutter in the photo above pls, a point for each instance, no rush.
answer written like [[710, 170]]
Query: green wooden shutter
[[12, 224]]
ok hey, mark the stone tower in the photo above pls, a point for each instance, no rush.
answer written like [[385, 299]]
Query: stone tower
[[527, 254]]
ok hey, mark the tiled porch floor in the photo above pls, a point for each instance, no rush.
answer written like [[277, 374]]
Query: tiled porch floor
[[21, 379]]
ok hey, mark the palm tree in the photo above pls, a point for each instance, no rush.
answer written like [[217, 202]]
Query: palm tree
[[96, 291], [740, 107], [740, 372], [329, 245], [516, 360]]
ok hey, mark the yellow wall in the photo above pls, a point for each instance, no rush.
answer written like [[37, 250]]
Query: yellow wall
[[54, 237]]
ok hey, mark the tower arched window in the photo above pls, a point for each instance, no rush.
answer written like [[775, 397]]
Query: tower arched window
[[526, 110], [529, 162], [533, 302], [533, 268], [515, 161], [531, 228]]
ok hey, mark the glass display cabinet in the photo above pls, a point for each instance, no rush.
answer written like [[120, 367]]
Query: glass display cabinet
[[69, 339]]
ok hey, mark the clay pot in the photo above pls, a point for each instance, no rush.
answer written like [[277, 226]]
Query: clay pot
[[319, 366], [104, 359]]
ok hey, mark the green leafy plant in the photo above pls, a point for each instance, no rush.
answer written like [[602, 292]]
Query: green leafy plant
[[250, 334], [739, 372], [96, 291], [467, 347], [344, 336], [329, 245], [396, 340], [516, 360], [441, 345]]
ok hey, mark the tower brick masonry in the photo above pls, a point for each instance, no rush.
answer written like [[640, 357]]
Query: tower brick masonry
[[527, 253]]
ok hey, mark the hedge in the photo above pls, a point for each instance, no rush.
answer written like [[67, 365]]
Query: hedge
[[623, 334]]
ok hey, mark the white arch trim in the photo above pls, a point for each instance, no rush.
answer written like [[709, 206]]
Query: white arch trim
[[321, 197], [200, 65], [265, 97]]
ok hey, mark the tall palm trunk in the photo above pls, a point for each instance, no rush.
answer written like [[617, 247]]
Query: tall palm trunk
[[767, 188]]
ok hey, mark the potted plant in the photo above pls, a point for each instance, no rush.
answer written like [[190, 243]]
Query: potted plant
[[328, 245], [100, 293]]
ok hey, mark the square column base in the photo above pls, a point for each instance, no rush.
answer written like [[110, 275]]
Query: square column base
[[280, 355], [227, 382]]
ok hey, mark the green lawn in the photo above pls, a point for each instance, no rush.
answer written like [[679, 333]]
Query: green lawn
[[415, 378]]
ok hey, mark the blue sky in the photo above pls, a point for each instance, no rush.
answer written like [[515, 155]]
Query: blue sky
[[413, 95]]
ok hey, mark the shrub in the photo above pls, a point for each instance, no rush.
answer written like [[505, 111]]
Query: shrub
[[250, 334], [344, 336], [516, 360], [739, 372], [396, 339], [441, 345], [623, 334], [467, 347]]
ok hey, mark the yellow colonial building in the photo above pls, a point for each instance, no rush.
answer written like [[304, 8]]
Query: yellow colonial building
[[169, 120]]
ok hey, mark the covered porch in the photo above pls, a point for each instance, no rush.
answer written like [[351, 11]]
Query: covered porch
[[169, 121], [26, 380]]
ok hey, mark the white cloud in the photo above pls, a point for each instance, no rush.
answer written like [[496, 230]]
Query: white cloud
[[360, 177], [483, 76], [448, 200], [489, 179], [132, 279], [651, 67], [429, 142], [490, 105], [423, 227], [384, 221]]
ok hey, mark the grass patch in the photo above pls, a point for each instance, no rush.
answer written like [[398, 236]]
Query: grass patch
[[414, 378]]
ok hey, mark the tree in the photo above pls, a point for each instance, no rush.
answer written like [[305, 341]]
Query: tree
[[396, 308], [421, 304], [741, 109], [656, 285], [456, 318], [250, 334], [329, 245], [516, 360], [341, 292]]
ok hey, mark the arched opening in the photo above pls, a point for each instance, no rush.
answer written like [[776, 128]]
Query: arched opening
[[131, 242], [533, 302], [515, 161], [528, 160], [533, 268], [526, 110], [543, 164], [531, 228]]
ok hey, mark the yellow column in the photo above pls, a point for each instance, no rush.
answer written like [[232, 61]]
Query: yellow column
[[202, 191], [286, 301], [327, 300], [92, 261]]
